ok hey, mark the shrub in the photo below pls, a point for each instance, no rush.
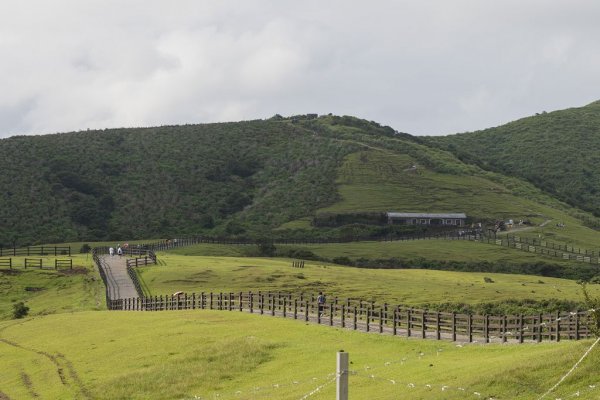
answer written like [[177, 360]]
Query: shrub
[[342, 261], [85, 248], [266, 249], [20, 310]]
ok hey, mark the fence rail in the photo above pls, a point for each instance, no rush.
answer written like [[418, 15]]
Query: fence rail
[[35, 263], [102, 273], [369, 317], [35, 251]]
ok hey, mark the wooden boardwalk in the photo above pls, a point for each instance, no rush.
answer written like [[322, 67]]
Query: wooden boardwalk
[[119, 284]]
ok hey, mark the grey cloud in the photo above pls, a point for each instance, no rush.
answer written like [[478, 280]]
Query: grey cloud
[[428, 67]]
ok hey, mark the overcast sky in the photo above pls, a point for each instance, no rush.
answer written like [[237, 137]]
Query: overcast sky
[[421, 67]]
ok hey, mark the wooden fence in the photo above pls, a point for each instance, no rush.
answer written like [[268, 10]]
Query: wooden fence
[[560, 247], [369, 317], [35, 251], [148, 259], [546, 248], [35, 263]]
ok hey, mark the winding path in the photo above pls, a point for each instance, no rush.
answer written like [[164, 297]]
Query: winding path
[[120, 285]]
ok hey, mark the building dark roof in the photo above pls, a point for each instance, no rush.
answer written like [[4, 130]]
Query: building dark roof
[[425, 215]]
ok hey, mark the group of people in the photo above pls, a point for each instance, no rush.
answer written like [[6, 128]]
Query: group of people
[[111, 250]]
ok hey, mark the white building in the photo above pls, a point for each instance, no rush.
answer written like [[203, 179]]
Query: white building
[[451, 219]]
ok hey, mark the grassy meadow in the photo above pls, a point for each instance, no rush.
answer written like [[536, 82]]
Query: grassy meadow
[[398, 286], [226, 355], [379, 179], [48, 291], [435, 250]]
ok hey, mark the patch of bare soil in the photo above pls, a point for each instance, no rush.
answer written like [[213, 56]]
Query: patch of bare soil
[[9, 272], [75, 271], [34, 289]]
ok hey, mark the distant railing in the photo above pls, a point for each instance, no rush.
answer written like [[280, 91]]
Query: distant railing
[[35, 263], [542, 247], [35, 251], [369, 317]]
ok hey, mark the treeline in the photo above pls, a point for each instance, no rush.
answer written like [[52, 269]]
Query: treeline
[[228, 179]]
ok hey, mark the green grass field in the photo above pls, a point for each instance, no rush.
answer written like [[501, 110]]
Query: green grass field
[[400, 286], [225, 355], [436, 250], [49, 291]]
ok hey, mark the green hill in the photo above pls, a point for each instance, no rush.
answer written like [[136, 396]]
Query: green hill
[[558, 152], [245, 178]]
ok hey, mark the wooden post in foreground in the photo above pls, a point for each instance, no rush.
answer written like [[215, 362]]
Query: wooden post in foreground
[[342, 375]]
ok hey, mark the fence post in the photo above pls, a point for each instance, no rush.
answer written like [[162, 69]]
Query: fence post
[[486, 328], [454, 326], [470, 327], [272, 306], [306, 310], [261, 302], [194, 301], [395, 320], [539, 337], [380, 320], [211, 301], [521, 328], [408, 321], [577, 325], [342, 375], [295, 308], [504, 329], [558, 326], [330, 314], [424, 324], [437, 326], [284, 307], [368, 318]]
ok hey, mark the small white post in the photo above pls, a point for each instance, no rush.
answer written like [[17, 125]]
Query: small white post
[[342, 375]]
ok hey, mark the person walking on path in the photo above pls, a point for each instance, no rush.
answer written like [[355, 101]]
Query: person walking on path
[[120, 251], [111, 251], [321, 303]]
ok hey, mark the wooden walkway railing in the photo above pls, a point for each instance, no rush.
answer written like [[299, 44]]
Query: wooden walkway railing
[[369, 317]]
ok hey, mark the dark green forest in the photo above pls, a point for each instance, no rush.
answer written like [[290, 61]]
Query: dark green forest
[[248, 178], [558, 152], [227, 179]]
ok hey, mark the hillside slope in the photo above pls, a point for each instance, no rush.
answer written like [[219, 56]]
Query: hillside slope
[[558, 152], [243, 178], [128, 183]]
